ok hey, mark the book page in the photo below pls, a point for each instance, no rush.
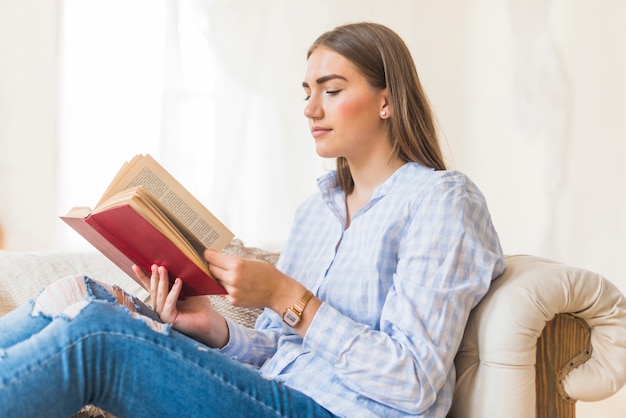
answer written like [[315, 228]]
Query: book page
[[147, 172], [154, 212]]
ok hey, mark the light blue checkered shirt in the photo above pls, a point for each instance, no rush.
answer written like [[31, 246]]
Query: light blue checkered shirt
[[397, 287]]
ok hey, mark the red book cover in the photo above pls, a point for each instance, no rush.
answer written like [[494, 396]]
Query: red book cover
[[126, 238]]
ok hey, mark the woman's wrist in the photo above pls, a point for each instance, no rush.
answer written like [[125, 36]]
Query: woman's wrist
[[295, 304], [216, 333], [286, 295]]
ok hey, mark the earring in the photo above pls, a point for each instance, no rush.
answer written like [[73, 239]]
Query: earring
[[383, 113]]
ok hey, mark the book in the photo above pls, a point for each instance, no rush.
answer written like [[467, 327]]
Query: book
[[146, 217]]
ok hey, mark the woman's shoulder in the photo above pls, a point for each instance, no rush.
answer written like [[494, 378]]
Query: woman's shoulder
[[418, 177], [416, 183]]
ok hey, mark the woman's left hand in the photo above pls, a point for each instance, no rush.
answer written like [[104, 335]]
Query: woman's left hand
[[193, 316]]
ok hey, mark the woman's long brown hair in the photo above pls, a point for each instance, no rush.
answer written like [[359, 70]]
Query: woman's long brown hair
[[384, 60]]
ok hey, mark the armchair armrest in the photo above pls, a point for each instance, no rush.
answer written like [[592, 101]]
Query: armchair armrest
[[564, 344], [496, 362]]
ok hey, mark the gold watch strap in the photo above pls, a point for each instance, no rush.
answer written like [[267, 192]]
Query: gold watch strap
[[301, 304]]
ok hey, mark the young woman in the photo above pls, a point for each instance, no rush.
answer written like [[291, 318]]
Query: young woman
[[364, 311]]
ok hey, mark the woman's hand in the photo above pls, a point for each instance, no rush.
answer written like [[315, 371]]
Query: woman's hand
[[193, 316], [254, 283]]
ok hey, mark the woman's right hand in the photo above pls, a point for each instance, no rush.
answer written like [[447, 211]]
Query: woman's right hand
[[193, 316]]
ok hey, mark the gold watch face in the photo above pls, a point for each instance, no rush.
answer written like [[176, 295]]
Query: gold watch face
[[291, 318]]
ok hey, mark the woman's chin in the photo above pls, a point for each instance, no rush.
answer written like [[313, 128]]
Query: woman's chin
[[323, 151]]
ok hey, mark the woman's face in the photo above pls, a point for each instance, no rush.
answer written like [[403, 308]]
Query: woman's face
[[343, 110]]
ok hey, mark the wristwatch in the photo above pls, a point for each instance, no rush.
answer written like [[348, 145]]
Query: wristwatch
[[293, 315]]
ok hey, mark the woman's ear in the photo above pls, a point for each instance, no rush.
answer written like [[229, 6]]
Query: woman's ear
[[385, 110]]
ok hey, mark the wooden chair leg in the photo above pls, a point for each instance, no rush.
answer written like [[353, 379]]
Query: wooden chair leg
[[563, 345]]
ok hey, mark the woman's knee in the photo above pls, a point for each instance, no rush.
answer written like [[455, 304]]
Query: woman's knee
[[69, 295], [66, 296]]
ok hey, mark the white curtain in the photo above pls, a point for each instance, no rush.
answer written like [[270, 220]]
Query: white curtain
[[110, 93], [194, 84], [232, 123]]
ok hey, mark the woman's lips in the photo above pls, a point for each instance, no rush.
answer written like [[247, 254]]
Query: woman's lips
[[319, 131]]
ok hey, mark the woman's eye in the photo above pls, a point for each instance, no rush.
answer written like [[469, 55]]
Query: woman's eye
[[329, 92]]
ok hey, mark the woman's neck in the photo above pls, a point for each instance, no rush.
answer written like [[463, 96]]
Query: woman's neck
[[366, 178]]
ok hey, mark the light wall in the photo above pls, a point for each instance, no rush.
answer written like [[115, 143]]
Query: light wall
[[28, 122], [544, 127]]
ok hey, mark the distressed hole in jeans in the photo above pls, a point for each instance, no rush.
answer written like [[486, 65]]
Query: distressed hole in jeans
[[67, 296], [122, 297]]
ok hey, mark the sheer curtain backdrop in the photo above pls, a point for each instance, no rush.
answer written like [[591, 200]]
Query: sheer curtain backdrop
[[194, 84], [111, 59]]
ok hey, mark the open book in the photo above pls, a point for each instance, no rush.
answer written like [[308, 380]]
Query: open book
[[147, 217]]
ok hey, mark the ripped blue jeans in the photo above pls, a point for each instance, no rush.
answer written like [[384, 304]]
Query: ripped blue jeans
[[81, 342]]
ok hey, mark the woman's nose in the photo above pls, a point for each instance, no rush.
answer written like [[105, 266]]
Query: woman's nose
[[312, 110]]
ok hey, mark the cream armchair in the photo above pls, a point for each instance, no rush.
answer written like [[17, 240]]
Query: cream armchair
[[544, 336]]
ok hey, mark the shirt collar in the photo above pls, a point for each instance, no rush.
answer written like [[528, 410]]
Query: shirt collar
[[334, 197]]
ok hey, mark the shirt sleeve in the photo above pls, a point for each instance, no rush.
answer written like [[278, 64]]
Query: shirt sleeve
[[447, 257], [250, 346]]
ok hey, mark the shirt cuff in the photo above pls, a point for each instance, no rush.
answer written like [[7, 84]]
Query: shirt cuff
[[237, 345], [322, 335]]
